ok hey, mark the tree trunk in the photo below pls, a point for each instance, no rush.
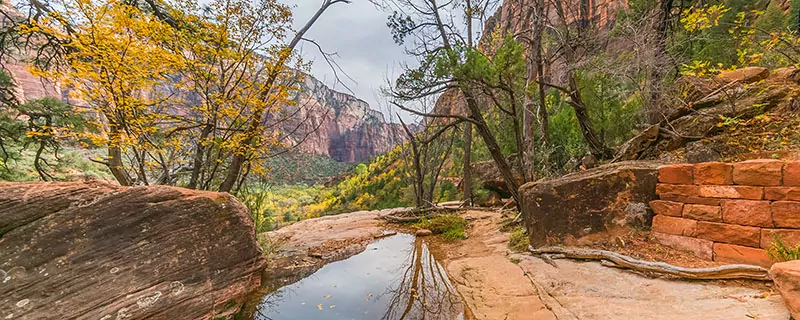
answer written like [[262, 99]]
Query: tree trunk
[[467, 177], [596, 146], [115, 164], [254, 127], [536, 72], [200, 151], [537, 52], [494, 148]]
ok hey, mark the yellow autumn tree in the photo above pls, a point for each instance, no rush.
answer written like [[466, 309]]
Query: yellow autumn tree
[[114, 64], [227, 58]]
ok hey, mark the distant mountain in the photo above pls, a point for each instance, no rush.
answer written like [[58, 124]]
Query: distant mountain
[[349, 131]]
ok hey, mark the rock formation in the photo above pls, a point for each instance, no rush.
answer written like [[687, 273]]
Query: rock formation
[[588, 202], [787, 278], [349, 131], [93, 250]]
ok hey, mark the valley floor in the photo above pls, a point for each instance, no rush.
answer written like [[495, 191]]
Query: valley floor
[[496, 283]]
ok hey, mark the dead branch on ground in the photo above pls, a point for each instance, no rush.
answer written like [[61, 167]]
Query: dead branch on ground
[[732, 271]]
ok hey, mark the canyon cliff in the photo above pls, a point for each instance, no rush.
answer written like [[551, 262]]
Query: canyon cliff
[[324, 121], [348, 129], [336, 124]]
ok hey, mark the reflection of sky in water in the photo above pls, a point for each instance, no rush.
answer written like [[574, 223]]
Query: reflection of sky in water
[[394, 278]]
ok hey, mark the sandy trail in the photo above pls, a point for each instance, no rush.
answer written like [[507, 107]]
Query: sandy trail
[[497, 288]]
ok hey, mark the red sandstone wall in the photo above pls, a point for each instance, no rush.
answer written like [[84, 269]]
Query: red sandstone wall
[[728, 212]]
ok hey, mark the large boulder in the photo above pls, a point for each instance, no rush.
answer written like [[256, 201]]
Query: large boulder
[[491, 178], [92, 250], [588, 202], [786, 276]]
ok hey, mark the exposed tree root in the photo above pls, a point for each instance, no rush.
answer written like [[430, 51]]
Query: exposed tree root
[[733, 271]]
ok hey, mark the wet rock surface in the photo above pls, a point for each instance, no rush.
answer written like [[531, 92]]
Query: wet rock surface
[[588, 202], [93, 250]]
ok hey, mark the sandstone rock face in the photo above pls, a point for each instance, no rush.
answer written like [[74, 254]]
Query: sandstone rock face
[[92, 250], [587, 202], [349, 131], [787, 278]]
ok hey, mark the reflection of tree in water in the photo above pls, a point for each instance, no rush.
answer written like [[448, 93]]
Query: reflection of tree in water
[[271, 299], [423, 290]]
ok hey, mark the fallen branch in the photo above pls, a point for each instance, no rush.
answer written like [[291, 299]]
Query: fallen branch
[[417, 215], [733, 271], [396, 219]]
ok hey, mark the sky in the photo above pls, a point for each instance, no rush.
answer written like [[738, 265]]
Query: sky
[[357, 32]]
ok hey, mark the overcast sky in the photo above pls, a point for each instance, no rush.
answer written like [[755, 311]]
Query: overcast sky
[[357, 32]]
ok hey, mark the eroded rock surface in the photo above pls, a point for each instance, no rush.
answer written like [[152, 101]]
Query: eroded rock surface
[[588, 202], [93, 250], [787, 278]]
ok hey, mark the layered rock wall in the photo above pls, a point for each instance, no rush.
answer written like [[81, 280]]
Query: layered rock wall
[[349, 130], [728, 212], [93, 250]]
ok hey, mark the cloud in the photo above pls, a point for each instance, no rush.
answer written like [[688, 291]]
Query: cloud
[[357, 32]]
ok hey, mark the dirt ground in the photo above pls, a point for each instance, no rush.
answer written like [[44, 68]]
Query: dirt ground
[[587, 290], [499, 284]]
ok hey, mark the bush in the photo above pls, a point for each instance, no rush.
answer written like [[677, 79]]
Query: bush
[[449, 226], [256, 200], [518, 240], [779, 251]]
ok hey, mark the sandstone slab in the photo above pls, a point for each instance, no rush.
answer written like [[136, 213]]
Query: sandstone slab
[[667, 208], [676, 174], [587, 202], [786, 276], [782, 193], [98, 251], [791, 174], [714, 173], [729, 253], [786, 214], [702, 212], [790, 237], [677, 190], [703, 249], [758, 172], [675, 226], [747, 213], [732, 192], [729, 233], [693, 200]]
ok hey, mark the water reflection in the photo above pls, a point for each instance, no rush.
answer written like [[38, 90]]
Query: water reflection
[[394, 278]]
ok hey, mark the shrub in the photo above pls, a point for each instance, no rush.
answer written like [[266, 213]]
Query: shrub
[[449, 226], [779, 251], [518, 240], [256, 200]]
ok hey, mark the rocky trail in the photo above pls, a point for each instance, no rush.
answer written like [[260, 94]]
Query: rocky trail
[[496, 283]]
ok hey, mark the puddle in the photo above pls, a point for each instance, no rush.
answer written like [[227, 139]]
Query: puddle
[[394, 278]]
